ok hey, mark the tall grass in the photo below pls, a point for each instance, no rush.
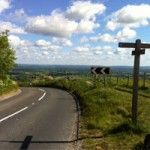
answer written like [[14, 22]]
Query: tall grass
[[106, 110]]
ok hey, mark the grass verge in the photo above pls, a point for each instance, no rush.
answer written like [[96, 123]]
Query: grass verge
[[7, 86], [105, 113]]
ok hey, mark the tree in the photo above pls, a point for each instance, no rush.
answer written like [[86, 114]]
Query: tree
[[7, 55]]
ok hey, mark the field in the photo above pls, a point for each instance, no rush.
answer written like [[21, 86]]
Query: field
[[105, 104]]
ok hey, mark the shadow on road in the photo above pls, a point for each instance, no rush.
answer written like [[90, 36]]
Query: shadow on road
[[28, 140]]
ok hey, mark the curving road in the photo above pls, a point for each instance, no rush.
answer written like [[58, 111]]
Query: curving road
[[38, 118]]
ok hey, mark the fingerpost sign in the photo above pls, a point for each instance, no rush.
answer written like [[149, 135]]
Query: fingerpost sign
[[139, 50]]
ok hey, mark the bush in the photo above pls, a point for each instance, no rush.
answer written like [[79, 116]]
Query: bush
[[7, 86]]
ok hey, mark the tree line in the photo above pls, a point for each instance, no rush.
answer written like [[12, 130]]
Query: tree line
[[7, 56]]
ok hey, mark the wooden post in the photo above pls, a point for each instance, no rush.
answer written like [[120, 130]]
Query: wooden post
[[144, 80], [138, 51], [110, 78], [128, 79], [117, 78], [104, 80], [135, 80]]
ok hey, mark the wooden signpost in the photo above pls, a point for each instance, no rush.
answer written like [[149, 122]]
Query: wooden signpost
[[139, 50]]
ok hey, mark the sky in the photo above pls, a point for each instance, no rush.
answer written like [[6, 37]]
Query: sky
[[75, 32]]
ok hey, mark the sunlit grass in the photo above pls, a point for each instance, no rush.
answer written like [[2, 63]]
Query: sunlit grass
[[106, 109], [7, 86]]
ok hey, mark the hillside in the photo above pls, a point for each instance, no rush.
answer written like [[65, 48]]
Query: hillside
[[106, 111]]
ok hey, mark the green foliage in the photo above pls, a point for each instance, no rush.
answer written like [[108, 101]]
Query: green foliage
[[106, 110], [7, 55], [7, 86]]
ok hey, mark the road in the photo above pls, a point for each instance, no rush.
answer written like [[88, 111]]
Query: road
[[38, 118]]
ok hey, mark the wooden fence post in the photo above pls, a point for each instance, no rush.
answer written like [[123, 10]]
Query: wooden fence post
[[117, 78], [104, 80], [128, 79], [144, 80]]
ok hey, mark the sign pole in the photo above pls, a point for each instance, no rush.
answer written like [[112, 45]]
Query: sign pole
[[139, 50], [135, 81]]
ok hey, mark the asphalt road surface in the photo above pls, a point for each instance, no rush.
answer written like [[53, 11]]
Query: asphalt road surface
[[38, 119]]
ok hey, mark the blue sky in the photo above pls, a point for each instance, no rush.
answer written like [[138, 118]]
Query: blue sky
[[75, 32]]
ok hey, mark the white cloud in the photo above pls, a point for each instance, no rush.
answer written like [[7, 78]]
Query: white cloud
[[19, 16], [126, 33], [85, 10], [41, 51], [84, 39], [32, 52], [98, 55], [102, 50], [42, 43], [130, 16], [97, 50], [23, 48], [121, 51], [62, 42], [45, 53], [87, 26], [63, 24], [19, 44], [46, 45], [103, 37], [92, 50], [66, 42], [122, 35], [54, 25], [16, 42], [20, 13], [82, 49], [58, 26], [111, 25], [4, 4], [11, 27]]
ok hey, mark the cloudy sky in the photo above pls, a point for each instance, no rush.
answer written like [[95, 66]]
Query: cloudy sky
[[75, 32]]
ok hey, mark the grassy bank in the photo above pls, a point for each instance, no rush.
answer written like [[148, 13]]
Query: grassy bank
[[7, 86], [105, 112]]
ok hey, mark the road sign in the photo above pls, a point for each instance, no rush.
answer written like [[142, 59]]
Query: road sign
[[139, 50], [100, 70]]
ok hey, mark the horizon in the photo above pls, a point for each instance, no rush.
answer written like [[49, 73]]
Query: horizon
[[78, 65]]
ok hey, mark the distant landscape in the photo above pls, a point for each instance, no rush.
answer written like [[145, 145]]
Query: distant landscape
[[105, 102], [72, 69]]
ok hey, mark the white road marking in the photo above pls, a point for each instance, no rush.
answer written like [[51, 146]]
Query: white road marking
[[17, 112], [33, 103], [42, 97], [42, 90]]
